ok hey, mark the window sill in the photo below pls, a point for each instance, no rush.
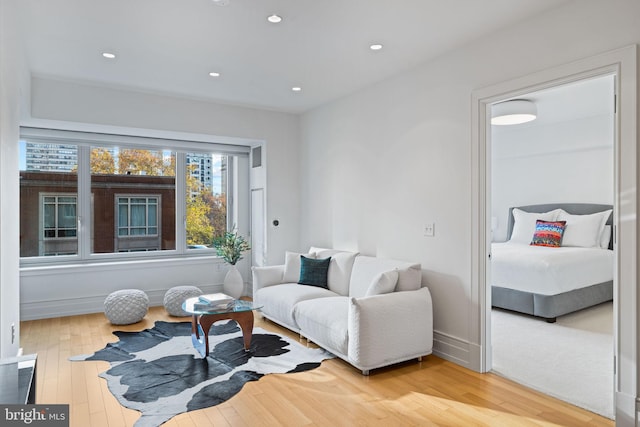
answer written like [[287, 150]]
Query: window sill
[[121, 264]]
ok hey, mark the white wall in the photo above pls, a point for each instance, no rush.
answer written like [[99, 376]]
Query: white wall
[[13, 87], [385, 161], [566, 162], [49, 291]]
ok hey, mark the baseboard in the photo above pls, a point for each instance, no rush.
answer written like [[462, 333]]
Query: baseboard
[[86, 305], [456, 350]]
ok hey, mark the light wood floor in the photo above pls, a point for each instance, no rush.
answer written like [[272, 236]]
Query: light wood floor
[[433, 392]]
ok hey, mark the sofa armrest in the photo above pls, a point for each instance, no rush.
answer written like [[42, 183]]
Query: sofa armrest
[[266, 276], [388, 328]]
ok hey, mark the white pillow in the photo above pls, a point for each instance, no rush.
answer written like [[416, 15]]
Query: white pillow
[[339, 273], [583, 230], [323, 252], [292, 266], [524, 224], [383, 283], [605, 237]]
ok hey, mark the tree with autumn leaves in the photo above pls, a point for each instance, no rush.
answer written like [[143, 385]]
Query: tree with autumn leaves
[[206, 212]]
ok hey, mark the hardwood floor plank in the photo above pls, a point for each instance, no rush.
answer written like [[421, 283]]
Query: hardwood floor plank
[[433, 392], [215, 417]]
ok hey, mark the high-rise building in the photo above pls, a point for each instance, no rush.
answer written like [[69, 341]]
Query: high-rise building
[[199, 165], [206, 169], [51, 157]]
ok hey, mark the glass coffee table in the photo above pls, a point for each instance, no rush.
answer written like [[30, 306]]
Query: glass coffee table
[[202, 318]]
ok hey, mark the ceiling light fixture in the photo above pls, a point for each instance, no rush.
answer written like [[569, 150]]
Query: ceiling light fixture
[[296, 89], [513, 112], [220, 2], [214, 74], [108, 55], [274, 19], [376, 46]]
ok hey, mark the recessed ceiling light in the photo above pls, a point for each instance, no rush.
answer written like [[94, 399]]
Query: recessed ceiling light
[[221, 2], [214, 74], [108, 55], [274, 19], [376, 46], [296, 88]]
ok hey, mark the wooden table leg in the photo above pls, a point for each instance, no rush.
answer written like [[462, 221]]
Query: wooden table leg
[[194, 325], [246, 324], [243, 318]]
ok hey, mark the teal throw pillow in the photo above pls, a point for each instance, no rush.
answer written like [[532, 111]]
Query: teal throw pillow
[[313, 272]]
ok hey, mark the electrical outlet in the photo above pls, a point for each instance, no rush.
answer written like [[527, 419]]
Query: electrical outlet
[[430, 230]]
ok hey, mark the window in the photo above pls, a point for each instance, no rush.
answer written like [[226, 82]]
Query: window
[[137, 216], [59, 225], [137, 223], [59, 216], [90, 196], [134, 193], [206, 210], [48, 200]]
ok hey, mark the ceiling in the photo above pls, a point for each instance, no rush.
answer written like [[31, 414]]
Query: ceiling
[[322, 46], [585, 98]]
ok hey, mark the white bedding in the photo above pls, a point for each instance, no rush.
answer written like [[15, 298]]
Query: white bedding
[[548, 271]]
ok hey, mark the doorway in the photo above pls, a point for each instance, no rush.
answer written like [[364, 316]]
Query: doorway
[[563, 156], [622, 64]]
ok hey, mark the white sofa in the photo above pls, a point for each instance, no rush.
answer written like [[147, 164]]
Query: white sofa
[[373, 314]]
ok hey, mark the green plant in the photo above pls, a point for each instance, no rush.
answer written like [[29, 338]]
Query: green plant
[[231, 246]]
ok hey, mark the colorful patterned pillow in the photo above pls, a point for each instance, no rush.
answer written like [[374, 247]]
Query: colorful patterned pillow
[[548, 233]]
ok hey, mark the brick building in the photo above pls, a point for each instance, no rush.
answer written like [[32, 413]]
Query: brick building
[[129, 213]]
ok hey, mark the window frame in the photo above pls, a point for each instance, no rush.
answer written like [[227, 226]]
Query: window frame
[[129, 197], [43, 240], [43, 196], [85, 141]]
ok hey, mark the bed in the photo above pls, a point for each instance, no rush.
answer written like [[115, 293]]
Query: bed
[[548, 282]]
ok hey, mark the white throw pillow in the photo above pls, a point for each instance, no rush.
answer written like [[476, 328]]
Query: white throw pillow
[[323, 252], [339, 273], [605, 237], [524, 224], [292, 266], [583, 230], [383, 283]]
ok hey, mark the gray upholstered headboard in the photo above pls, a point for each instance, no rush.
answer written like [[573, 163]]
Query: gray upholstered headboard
[[572, 208]]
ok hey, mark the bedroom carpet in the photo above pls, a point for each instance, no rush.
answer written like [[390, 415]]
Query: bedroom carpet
[[571, 359]]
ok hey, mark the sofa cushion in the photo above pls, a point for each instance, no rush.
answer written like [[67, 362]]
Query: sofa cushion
[[366, 268], [292, 266], [324, 321], [339, 269], [340, 272], [313, 272], [277, 301], [409, 278], [383, 283], [325, 252]]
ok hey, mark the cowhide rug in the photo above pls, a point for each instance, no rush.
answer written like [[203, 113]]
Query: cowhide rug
[[159, 372]]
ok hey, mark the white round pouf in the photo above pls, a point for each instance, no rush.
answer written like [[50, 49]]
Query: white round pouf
[[175, 296], [126, 306]]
